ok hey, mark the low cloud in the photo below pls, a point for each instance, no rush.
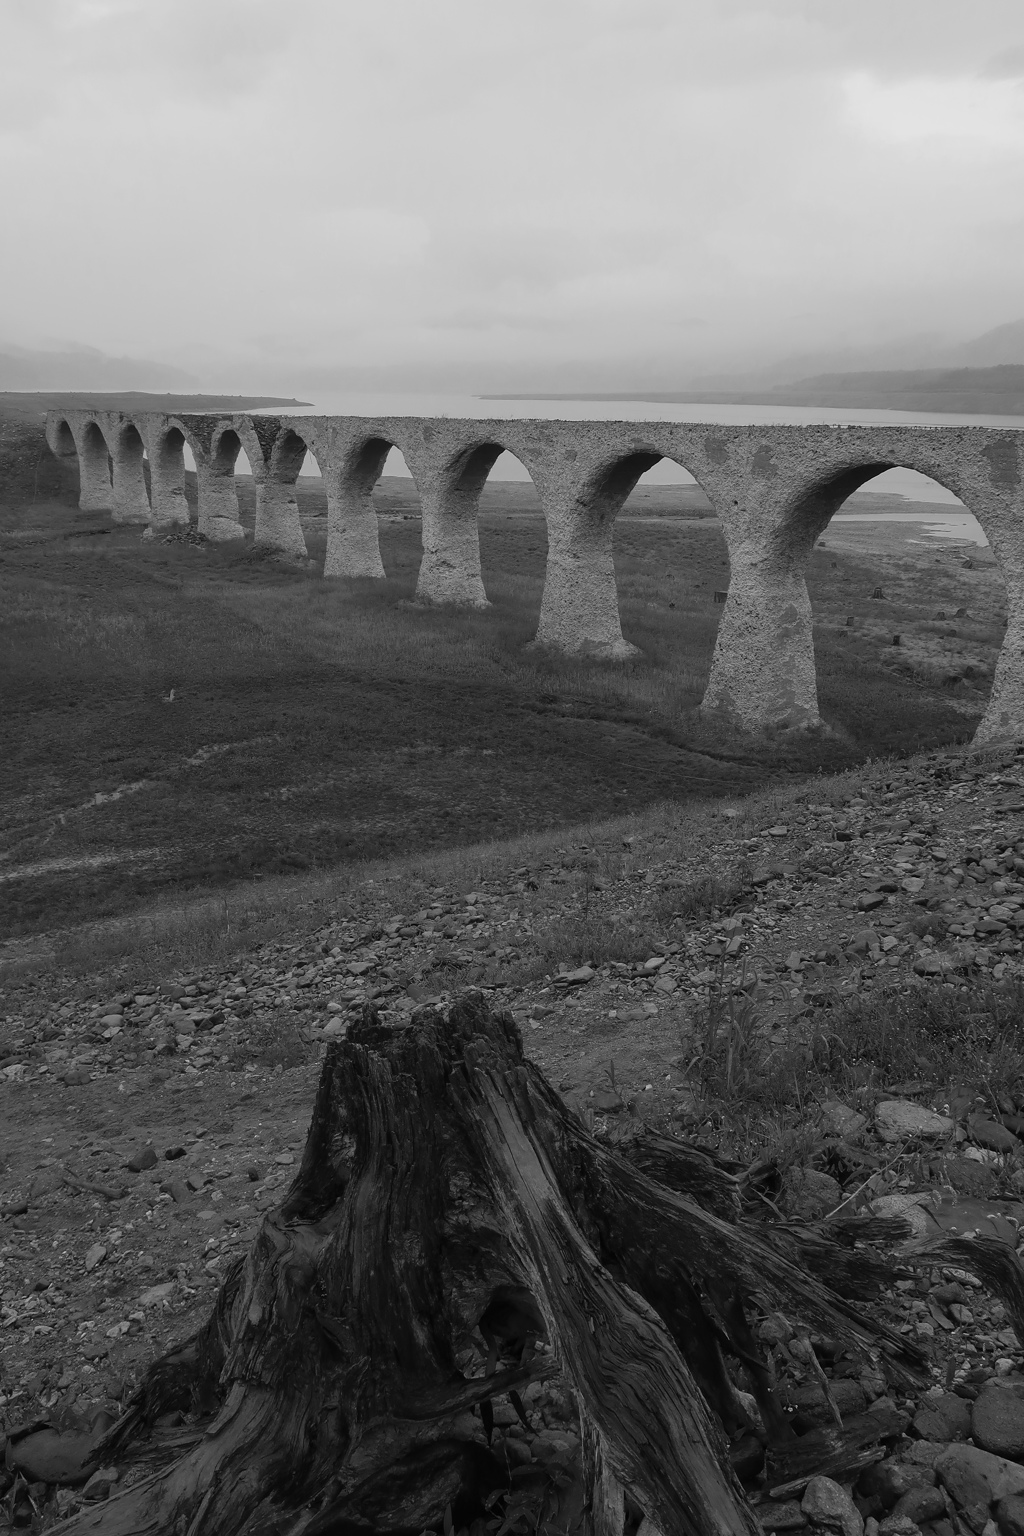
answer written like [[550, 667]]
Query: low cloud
[[627, 180]]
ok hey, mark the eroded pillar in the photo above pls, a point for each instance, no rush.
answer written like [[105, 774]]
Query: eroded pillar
[[95, 490], [579, 612], [219, 518], [131, 499], [167, 482], [278, 525], [353, 536], [762, 673], [1003, 720], [450, 571]]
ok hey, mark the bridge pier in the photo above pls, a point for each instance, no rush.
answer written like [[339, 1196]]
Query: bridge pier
[[130, 497], [278, 525], [353, 536], [763, 672], [282, 452], [95, 490], [1003, 720], [218, 503], [450, 571], [167, 480], [579, 611]]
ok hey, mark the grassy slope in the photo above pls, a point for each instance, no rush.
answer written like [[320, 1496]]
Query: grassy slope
[[315, 723]]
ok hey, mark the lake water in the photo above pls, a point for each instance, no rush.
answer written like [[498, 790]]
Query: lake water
[[894, 482], [956, 524]]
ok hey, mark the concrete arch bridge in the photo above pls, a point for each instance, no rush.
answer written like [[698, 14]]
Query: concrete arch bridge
[[774, 488]]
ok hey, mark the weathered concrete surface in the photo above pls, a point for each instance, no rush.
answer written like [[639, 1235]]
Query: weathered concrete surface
[[215, 477], [131, 499], [774, 489], [80, 429], [351, 469], [277, 512]]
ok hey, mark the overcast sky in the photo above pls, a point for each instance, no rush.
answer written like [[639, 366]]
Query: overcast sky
[[535, 182]]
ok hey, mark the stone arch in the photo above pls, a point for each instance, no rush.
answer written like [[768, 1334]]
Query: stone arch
[[283, 450], [225, 446], [353, 534], [512, 533], [450, 571], [61, 438], [94, 458], [764, 671], [580, 609], [219, 518], [131, 498], [166, 447]]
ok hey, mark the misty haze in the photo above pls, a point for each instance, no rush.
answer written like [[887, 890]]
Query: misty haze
[[512, 777]]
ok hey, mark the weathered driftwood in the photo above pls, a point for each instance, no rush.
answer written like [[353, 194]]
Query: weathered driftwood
[[446, 1193]]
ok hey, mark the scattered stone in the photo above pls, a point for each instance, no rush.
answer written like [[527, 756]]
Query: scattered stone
[[838, 1119], [900, 1120], [997, 1419], [898, 1525], [888, 1481], [142, 1160], [943, 1416], [826, 1504], [96, 1254], [99, 1485], [920, 1505], [577, 978], [1009, 1513], [922, 1453], [157, 1295], [45, 1182], [975, 1477], [607, 1102], [50, 1457], [989, 1133], [786, 1515], [809, 1195]]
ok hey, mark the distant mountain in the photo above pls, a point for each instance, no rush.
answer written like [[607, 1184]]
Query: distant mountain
[[960, 391], [995, 391], [85, 368], [1004, 344]]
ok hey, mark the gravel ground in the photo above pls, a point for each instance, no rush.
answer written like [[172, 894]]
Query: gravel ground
[[146, 1133]]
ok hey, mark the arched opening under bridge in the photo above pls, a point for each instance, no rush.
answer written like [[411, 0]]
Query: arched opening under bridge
[[131, 487], [512, 535], [232, 477], [279, 522], [909, 611], [167, 494], [374, 517], [64, 441], [633, 574], [672, 573], [95, 469]]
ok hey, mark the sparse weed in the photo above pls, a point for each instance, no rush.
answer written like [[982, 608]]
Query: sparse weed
[[699, 898], [728, 1035], [282, 1042], [969, 1040]]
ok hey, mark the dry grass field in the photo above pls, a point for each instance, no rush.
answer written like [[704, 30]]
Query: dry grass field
[[179, 717]]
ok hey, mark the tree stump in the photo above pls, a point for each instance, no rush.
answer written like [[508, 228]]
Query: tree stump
[[447, 1193]]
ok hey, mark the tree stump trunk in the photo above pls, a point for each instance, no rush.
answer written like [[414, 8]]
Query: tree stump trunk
[[446, 1193]]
